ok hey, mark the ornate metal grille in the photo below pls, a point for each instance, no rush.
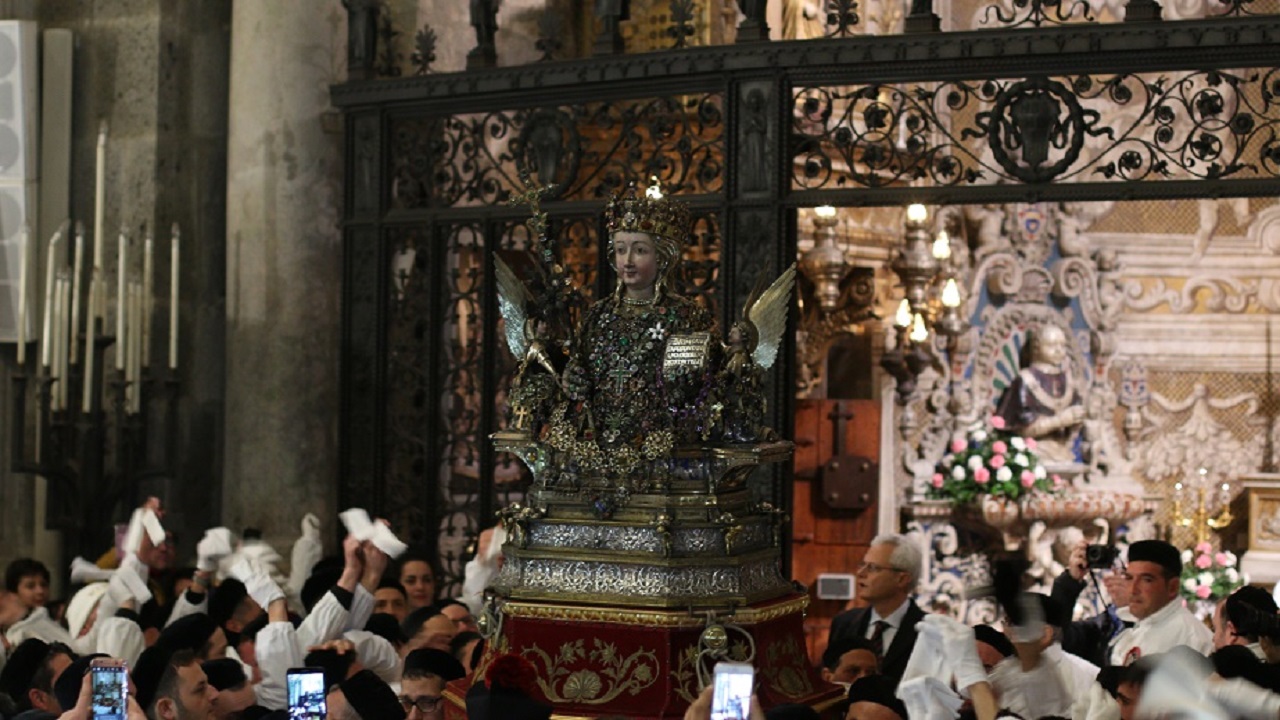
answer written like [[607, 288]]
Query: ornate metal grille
[[589, 151], [746, 133], [1204, 125]]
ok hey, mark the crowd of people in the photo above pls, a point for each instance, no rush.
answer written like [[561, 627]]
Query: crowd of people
[[1144, 655], [218, 641]]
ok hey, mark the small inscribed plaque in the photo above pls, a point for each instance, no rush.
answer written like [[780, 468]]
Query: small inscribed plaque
[[686, 353]]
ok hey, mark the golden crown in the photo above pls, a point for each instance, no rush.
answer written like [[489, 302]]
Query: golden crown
[[649, 212]]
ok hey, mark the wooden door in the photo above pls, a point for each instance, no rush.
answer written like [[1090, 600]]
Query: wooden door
[[823, 539]]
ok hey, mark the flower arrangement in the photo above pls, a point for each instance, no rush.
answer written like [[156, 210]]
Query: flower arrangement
[[1209, 575], [989, 460]]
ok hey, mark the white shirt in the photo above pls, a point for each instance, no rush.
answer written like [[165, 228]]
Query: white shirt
[[37, 624], [891, 630], [1163, 630]]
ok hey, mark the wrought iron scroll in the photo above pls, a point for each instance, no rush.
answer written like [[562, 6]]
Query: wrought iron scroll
[[1193, 125], [410, 402], [590, 151], [1021, 13]]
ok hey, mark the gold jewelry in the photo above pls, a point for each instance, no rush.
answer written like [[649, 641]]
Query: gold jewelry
[[638, 302]]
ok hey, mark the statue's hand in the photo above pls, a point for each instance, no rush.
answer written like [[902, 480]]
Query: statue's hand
[[1073, 415]]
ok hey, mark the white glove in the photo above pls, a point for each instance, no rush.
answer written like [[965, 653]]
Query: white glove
[[1242, 698], [215, 545], [928, 698], [362, 528], [961, 650], [307, 551], [257, 582], [84, 572], [264, 556]]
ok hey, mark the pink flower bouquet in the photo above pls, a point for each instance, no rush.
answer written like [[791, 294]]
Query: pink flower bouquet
[[989, 460], [1209, 575]]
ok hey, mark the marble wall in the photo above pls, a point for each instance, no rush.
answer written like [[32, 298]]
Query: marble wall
[[157, 73], [284, 267]]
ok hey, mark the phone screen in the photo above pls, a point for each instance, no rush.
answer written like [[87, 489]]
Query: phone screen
[[306, 694], [731, 698], [110, 686]]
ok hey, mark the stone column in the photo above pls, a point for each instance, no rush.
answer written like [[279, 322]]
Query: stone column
[[284, 267]]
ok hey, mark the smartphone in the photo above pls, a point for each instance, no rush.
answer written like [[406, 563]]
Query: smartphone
[[109, 682], [731, 697], [306, 694]]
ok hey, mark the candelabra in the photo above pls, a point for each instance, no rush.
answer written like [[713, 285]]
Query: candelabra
[[100, 430], [825, 264], [1203, 519]]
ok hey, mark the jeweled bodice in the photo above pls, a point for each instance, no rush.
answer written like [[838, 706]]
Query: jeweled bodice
[[616, 368]]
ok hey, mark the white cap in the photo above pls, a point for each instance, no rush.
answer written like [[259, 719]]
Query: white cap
[[82, 605]]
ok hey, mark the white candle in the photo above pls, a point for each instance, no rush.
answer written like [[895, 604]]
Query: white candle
[[122, 291], [173, 299], [64, 332], [99, 195], [76, 274], [59, 337], [129, 379], [24, 261], [54, 338], [46, 350], [136, 342], [90, 328], [148, 288]]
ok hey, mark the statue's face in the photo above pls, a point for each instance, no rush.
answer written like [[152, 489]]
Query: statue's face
[[1051, 346], [635, 257]]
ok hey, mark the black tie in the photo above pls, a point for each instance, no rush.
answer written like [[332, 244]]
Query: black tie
[[877, 638]]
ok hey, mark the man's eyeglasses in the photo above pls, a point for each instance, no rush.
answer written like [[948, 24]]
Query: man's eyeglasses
[[874, 568], [424, 703]]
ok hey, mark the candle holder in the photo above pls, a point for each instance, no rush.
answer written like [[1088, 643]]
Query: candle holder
[[94, 461], [1204, 518]]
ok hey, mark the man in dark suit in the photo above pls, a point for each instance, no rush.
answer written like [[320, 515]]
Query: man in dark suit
[[886, 578]]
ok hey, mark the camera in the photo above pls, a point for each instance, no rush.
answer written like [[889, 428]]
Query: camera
[[1101, 556]]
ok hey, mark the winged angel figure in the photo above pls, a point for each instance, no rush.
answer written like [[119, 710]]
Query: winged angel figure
[[537, 378], [752, 347]]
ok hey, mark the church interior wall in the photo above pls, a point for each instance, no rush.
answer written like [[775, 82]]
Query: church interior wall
[[260, 290]]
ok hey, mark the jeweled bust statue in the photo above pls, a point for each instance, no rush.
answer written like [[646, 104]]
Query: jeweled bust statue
[[1043, 401], [624, 385], [645, 374]]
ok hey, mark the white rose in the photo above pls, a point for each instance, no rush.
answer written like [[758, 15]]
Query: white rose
[[1017, 443], [1004, 474], [1186, 556], [948, 461], [1232, 575], [1040, 472], [957, 472], [1231, 559], [975, 462], [1020, 459], [980, 435], [1205, 578], [1189, 584]]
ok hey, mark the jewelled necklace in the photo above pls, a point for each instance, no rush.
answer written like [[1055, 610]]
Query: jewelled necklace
[[638, 302]]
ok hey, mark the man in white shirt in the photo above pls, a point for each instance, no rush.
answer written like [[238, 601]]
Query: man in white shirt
[[1154, 576]]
